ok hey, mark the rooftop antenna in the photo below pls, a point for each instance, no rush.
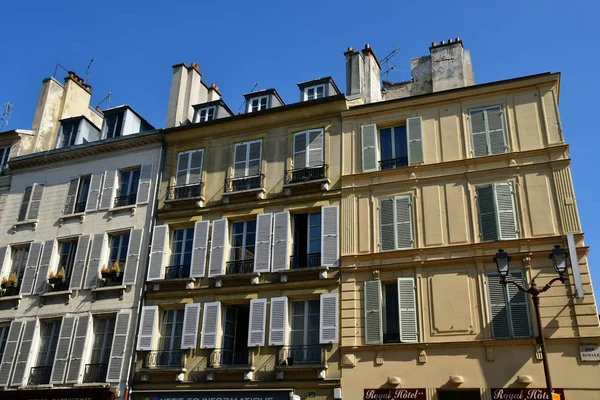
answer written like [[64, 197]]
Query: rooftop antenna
[[4, 119], [386, 60], [244, 102], [108, 96], [87, 71]]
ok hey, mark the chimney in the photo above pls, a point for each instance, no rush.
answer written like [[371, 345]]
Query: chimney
[[354, 73], [451, 66], [372, 80]]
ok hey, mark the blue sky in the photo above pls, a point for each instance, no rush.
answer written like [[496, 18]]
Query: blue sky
[[279, 43]]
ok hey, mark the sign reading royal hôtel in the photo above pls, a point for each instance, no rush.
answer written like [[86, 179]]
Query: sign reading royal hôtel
[[526, 394], [395, 394]]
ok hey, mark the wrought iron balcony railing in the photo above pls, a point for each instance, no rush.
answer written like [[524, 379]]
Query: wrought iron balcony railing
[[301, 355], [306, 174], [164, 359], [39, 375], [125, 200], [233, 185], [226, 357], [95, 373], [239, 267], [188, 191], [310, 260], [177, 271], [393, 163], [79, 207], [58, 284]]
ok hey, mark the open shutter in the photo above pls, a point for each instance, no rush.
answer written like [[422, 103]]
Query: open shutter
[[498, 307], [83, 244], [108, 190], [254, 158], [281, 241], [61, 358], [330, 236], [216, 265], [519, 309], [262, 255], [25, 203], [373, 320], [195, 170], [42, 276], [4, 257], [315, 148], [300, 157], [200, 249], [36, 200], [10, 352], [133, 256], [183, 162], [94, 193], [33, 258], [71, 196], [368, 135], [94, 266], [505, 204], [495, 127], [23, 356], [328, 332], [240, 160], [387, 223], [478, 133], [407, 306], [278, 321], [117, 352], [144, 185], [191, 321], [404, 231], [157, 255], [74, 370], [210, 324], [488, 225], [148, 322], [256, 325], [414, 136]]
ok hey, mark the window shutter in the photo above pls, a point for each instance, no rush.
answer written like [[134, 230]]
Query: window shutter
[[519, 309], [94, 193], [407, 306], [330, 236], [117, 352], [315, 148], [183, 162], [373, 320], [133, 256], [216, 265], [495, 126], [191, 320], [45, 261], [478, 133], [157, 255], [96, 253], [24, 352], [256, 326], [404, 230], [368, 134], [254, 158], [498, 307], [195, 170], [414, 136], [281, 241], [200, 249], [328, 332], [488, 226], [25, 203], [148, 322], [10, 352], [33, 258], [36, 199], [387, 224], [278, 321], [83, 244], [262, 255], [300, 157], [74, 370], [144, 185], [108, 190], [240, 160], [507, 219], [210, 324], [63, 347], [71, 196], [4, 257]]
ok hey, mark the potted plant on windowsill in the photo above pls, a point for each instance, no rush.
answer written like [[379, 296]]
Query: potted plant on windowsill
[[104, 272], [5, 283], [61, 274], [52, 279], [115, 271]]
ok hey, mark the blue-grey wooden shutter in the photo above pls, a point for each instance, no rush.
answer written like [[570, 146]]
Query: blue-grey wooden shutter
[[95, 264], [495, 130], [23, 357], [24, 203], [191, 322], [368, 134], [328, 327], [300, 156], [414, 137], [71, 196], [519, 309], [41, 281], [83, 244], [256, 324], [486, 206], [387, 223], [479, 137], [218, 242], [157, 255], [404, 229], [211, 320], [330, 221], [407, 306], [119, 344], [133, 256], [94, 192], [507, 219], [281, 242], [33, 259], [278, 321], [61, 358], [498, 307], [262, 253], [75, 367], [145, 184], [10, 352], [200, 249], [373, 320], [240, 160], [35, 201], [108, 190], [183, 161]]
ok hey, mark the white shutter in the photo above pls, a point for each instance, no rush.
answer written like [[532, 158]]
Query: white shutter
[[373, 320], [33, 258], [315, 148], [507, 219], [96, 252], [71, 196], [119, 344], [108, 190], [191, 321], [94, 193], [183, 161], [134, 252], [330, 236], [10, 352], [148, 322], [278, 321], [144, 185], [262, 254], [254, 158], [368, 134], [328, 332], [200, 249], [407, 306], [414, 138], [157, 255], [75, 367], [495, 129], [46, 260], [195, 168], [35, 201], [211, 320], [299, 157], [404, 230], [281, 241], [23, 358], [240, 160], [83, 244], [216, 265], [256, 325], [479, 139], [63, 348]]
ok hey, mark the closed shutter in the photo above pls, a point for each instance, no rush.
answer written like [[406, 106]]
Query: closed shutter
[[148, 322], [256, 324], [216, 264], [83, 244], [254, 158], [404, 230], [25, 203], [414, 136], [315, 148], [488, 226], [77, 351], [95, 264], [368, 134], [42, 276], [33, 258], [495, 127], [200, 249], [519, 308], [211, 320], [157, 252], [191, 321], [240, 159], [330, 236], [278, 321], [119, 344], [478, 133], [387, 224], [93, 199], [134, 252], [328, 332], [195, 169], [108, 190], [10, 352], [407, 306], [373, 320], [36, 200], [300, 156], [183, 162], [281, 241], [144, 185], [506, 211], [23, 356], [71, 196], [262, 255], [498, 307], [61, 358]]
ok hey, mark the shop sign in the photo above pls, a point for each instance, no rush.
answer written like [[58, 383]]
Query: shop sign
[[395, 394], [589, 352], [524, 394], [212, 395]]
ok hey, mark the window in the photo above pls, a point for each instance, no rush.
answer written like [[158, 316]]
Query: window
[[104, 329], [235, 335], [17, 268], [66, 259], [3, 338], [114, 123], [40, 373], [246, 166], [307, 241], [182, 243], [393, 147], [243, 240], [487, 131], [497, 216], [189, 175], [304, 332], [205, 114], [395, 219], [508, 307], [128, 187], [307, 157], [171, 330], [82, 194], [68, 133], [314, 92], [258, 104], [30, 204], [119, 245], [4, 158]]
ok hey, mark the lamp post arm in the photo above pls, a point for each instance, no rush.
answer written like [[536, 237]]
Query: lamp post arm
[[549, 284], [518, 285]]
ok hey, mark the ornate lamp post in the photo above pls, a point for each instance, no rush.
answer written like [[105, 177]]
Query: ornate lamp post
[[559, 259]]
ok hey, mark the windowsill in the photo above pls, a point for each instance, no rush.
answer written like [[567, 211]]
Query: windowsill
[[308, 269], [174, 280], [92, 384], [255, 190], [302, 366], [308, 182], [33, 222], [184, 199], [234, 276], [231, 368], [121, 208], [110, 288], [58, 293], [41, 386], [164, 369], [74, 215], [9, 298]]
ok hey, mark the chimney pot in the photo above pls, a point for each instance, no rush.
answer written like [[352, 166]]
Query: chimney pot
[[449, 40], [457, 39], [367, 46], [442, 42], [98, 108], [350, 49], [433, 44]]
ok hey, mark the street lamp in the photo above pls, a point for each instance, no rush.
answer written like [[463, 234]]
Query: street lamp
[[559, 259]]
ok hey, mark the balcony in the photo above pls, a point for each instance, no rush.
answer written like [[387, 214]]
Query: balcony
[[246, 185], [95, 373], [393, 163], [164, 360], [310, 260], [301, 356], [39, 375], [307, 178], [239, 267], [79, 207], [183, 192], [125, 200], [225, 358], [177, 271]]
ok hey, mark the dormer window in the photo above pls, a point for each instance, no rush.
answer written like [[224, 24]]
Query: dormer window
[[123, 121], [114, 124], [69, 133], [77, 130], [314, 92], [258, 104], [318, 89], [205, 114]]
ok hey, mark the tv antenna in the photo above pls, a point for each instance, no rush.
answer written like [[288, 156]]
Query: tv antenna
[[387, 59], [108, 96], [244, 102], [87, 71], [4, 119]]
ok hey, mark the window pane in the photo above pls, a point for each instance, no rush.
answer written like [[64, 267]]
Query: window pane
[[392, 317], [125, 177], [400, 142], [385, 144]]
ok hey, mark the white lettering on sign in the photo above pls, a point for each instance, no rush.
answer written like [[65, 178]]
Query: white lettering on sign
[[589, 352]]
